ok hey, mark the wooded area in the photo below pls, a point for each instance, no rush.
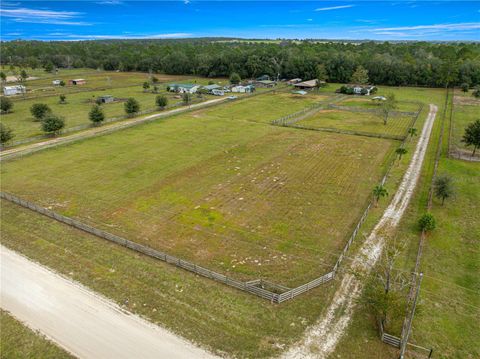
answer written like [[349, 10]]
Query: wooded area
[[406, 63]]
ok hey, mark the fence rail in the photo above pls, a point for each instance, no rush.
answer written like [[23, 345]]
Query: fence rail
[[257, 286]]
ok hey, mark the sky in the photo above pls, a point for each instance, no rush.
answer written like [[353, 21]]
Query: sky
[[349, 20]]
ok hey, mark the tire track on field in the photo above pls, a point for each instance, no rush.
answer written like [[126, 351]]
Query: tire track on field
[[322, 338]]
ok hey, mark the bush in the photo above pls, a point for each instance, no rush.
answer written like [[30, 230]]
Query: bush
[[52, 124], [39, 110], [235, 78], [161, 101], [6, 134], [187, 98], [96, 115], [464, 87], [63, 99], [427, 222], [6, 104], [131, 106]]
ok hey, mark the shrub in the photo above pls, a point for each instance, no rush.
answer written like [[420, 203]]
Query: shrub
[[427, 222], [63, 99], [131, 106], [161, 101], [6, 104], [464, 87], [6, 134], [39, 110], [96, 115], [235, 78], [52, 124]]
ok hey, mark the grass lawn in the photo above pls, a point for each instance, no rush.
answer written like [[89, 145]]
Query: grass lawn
[[18, 341], [368, 123], [249, 200]]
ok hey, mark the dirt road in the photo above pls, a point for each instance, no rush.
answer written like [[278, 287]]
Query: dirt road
[[96, 131], [321, 339], [85, 324]]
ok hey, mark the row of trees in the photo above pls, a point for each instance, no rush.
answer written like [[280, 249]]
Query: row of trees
[[419, 63]]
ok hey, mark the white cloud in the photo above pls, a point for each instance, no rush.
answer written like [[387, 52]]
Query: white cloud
[[110, 2], [75, 37], [43, 16], [444, 27], [334, 7]]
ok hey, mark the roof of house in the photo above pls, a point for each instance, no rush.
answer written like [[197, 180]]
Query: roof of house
[[106, 96], [266, 82], [16, 87], [212, 87], [309, 83], [78, 80], [263, 77], [186, 86]]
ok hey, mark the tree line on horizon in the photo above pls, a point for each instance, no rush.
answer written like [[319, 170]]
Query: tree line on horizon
[[395, 64]]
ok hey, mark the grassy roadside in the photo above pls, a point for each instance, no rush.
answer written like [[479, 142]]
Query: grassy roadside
[[18, 341]]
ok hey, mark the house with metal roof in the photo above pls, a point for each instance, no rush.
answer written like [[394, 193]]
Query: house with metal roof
[[183, 88]]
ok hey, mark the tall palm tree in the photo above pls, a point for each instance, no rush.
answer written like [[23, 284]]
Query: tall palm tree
[[400, 152], [379, 191]]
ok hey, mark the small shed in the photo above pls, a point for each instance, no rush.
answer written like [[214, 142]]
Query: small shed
[[379, 98], [56, 82], [14, 90], [294, 81], [265, 83], [263, 78], [105, 99], [78, 82], [217, 92], [307, 85]]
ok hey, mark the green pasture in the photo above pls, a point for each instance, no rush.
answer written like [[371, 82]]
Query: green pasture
[[248, 199], [361, 122]]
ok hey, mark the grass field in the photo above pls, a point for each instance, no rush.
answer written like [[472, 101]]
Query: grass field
[[248, 199], [164, 178], [80, 98], [367, 103], [368, 123], [465, 111], [18, 341]]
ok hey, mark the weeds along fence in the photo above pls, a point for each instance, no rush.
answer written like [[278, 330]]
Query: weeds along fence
[[395, 341], [370, 110]]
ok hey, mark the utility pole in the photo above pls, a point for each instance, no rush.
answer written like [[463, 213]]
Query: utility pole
[[407, 325]]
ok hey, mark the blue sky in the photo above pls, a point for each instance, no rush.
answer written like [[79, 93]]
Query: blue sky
[[379, 20]]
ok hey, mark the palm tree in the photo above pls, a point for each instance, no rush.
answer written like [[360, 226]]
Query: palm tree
[[443, 187], [400, 152], [412, 131], [379, 191]]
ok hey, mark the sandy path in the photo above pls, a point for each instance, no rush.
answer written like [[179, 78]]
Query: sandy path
[[96, 131], [85, 324], [321, 339]]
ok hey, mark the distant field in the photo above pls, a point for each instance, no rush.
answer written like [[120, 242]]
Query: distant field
[[249, 199], [369, 123], [80, 98]]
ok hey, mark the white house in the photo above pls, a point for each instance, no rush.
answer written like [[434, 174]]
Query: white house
[[14, 90], [217, 92], [243, 89], [183, 88]]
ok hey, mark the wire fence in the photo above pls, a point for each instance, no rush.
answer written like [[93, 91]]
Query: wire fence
[[273, 292]]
